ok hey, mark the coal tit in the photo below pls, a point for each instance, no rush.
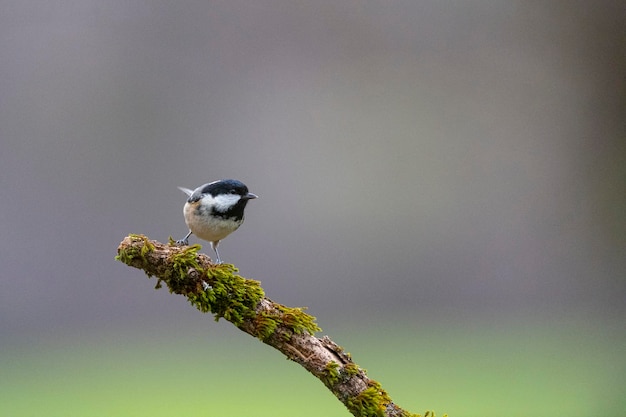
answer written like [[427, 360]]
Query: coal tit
[[215, 210]]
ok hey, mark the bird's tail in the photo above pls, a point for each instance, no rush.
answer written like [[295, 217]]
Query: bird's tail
[[186, 191]]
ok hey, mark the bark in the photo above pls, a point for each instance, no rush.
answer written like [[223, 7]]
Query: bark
[[219, 290]]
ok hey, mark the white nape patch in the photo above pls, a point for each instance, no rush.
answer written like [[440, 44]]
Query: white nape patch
[[224, 202]]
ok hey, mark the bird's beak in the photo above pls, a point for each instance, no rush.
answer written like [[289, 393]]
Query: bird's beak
[[250, 196]]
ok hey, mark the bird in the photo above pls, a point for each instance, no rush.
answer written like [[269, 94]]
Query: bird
[[215, 210]]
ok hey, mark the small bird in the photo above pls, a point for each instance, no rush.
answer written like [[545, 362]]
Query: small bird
[[215, 210]]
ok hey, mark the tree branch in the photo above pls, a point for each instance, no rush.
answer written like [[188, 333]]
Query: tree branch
[[217, 289]]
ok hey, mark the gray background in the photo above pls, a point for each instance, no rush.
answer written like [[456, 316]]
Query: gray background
[[434, 161]]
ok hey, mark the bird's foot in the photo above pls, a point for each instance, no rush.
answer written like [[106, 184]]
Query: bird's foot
[[184, 241]]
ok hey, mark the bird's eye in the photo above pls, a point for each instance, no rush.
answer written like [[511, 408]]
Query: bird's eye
[[232, 191]]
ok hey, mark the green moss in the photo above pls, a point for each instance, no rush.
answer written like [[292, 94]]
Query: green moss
[[293, 319], [216, 289], [219, 290], [185, 260], [178, 267], [330, 376], [335, 373], [372, 402], [134, 256], [351, 369], [228, 295], [297, 320], [265, 325], [124, 256]]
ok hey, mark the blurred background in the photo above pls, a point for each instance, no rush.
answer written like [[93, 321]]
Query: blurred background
[[442, 184]]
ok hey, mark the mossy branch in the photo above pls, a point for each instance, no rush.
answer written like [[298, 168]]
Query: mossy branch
[[218, 290]]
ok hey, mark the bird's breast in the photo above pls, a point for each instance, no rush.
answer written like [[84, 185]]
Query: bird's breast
[[205, 225]]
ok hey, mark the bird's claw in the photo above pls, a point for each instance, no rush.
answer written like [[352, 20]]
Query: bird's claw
[[182, 242]]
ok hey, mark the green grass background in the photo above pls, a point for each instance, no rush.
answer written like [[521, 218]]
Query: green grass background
[[483, 367]]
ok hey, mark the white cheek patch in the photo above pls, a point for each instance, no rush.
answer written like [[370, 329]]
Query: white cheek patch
[[223, 202]]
